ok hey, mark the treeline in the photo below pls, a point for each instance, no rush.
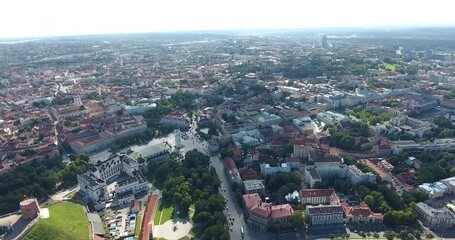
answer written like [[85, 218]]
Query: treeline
[[38, 179], [281, 184], [319, 66], [432, 169], [444, 129], [347, 139], [187, 180], [398, 211], [368, 116], [166, 105]]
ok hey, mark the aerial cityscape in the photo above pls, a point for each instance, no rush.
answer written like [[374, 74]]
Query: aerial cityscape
[[321, 133]]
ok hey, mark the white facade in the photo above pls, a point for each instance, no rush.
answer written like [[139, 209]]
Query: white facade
[[435, 217], [175, 121], [266, 169], [254, 186], [93, 183], [356, 176], [433, 190], [325, 215]]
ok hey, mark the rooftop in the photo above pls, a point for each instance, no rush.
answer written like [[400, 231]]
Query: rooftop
[[317, 192], [324, 209]]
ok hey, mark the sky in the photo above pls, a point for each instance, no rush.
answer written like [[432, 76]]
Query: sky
[[30, 18]]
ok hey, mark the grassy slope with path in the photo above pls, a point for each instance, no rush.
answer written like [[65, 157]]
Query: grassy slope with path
[[66, 221], [138, 227], [163, 213]]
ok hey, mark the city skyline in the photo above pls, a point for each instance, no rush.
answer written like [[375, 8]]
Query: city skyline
[[51, 18]]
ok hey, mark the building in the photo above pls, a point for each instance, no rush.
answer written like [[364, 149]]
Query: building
[[312, 176], [93, 183], [324, 42], [231, 170], [361, 213], [435, 217], [266, 169], [356, 176], [92, 187], [413, 126], [176, 121], [302, 151], [318, 196], [327, 170], [92, 140], [68, 112], [254, 186], [433, 190], [138, 109], [383, 148], [155, 152], [325, 215], [332, 118], [252, 138], [267, 119], [261, 216], [29, 208]]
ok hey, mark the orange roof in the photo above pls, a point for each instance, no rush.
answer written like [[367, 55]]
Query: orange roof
[[147, 221], [252, 200], [280, 211]]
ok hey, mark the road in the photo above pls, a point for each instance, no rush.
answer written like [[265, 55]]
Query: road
[[233, 209]]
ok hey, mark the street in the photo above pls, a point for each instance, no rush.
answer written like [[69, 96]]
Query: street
[[233, 210]]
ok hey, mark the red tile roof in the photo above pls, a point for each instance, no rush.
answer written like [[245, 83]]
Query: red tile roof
[[147, 221], [260, 209], [252, 200], [281, 211], [229, 164], [263, 211], [360, 211], [317, 192]]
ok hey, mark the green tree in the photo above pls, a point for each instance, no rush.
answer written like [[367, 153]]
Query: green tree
[[390, 235], [376, 235], [298, 220], [216, 232], [369, 200]]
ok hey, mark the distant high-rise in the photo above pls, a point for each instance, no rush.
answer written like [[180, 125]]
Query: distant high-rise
[[324, 42]]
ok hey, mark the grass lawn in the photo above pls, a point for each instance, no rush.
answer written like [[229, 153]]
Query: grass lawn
[[66, 221], [166, 211], [389, 66], [137, 231]]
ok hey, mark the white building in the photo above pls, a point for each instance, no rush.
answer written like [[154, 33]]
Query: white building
[[356, 176], [312, 177], [325, 214], [433, 190], [176, 121], [331, 118], [266, 169], [318, 196], [254, 186], [266, 119], [413, 126], [251, 137], [92, 187], [138, 108], [435, 217], [93, 183]]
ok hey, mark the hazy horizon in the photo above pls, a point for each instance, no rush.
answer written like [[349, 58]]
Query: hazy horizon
[[54, 18]]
